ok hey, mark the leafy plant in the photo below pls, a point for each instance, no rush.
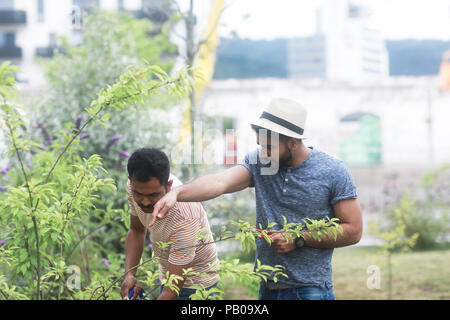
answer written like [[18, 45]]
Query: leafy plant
[[48, 206], [44, 211], [240, 273], [429, 216], [394, 236], [111, 41]]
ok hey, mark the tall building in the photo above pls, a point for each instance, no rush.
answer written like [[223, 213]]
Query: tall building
[[12, 22], [30, 28], [346, 46]]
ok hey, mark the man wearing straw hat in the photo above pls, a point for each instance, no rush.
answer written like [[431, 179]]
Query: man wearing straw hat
[[291, 181]]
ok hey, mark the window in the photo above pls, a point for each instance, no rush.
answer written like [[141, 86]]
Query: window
[[7, 40], [2, 39], [86, 4], [354, 11], [10, 39]]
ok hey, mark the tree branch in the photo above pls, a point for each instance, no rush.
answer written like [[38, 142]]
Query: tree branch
[[33, 218]]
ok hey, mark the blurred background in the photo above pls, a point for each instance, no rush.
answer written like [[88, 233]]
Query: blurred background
[[373, 75]]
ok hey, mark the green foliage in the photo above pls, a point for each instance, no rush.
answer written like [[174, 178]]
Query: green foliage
[[418, 220], [317, 229], [202, 293], [111, 42], [171, 281], [320, 228], [53, 207], [431, 220], [428, 214], [394, 236], [163, 245], [239, 273], [49, 205]]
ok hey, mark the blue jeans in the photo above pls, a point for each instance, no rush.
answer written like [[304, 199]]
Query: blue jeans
[[186, 292], [301, 293]]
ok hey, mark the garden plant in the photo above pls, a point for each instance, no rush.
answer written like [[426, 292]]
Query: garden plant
[[48, 203]]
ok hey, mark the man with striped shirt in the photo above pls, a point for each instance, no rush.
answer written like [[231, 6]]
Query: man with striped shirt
[[149, 179]]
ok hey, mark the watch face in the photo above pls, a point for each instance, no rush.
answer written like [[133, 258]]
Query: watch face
[[300, 242]]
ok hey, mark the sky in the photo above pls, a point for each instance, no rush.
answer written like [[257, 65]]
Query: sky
[[396, 19]]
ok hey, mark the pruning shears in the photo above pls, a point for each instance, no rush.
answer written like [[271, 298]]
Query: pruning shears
[[139, 296]]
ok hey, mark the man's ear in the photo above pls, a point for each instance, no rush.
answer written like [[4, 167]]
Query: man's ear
[[293, 144], [169, 185]]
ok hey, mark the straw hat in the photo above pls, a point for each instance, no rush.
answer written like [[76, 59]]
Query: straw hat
[[285, 117]]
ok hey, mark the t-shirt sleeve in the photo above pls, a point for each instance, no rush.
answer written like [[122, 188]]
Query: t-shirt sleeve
[[249, 161], [343, 186], [184, 240]]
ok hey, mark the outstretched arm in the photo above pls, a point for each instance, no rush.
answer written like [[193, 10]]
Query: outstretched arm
[[203, 188]]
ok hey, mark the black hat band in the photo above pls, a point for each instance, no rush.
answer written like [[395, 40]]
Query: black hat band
[[282, 122]]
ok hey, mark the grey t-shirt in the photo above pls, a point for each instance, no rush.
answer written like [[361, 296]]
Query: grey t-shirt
[[307, 190]]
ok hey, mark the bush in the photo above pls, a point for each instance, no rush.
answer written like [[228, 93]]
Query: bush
[[427, 211], [49, 205]]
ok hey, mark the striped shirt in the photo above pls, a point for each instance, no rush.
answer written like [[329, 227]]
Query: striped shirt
[[182, 227]]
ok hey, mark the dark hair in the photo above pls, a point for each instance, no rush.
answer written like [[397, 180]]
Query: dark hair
[[282, 137], [146, 163]]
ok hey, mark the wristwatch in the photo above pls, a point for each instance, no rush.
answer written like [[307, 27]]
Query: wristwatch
[[299, 242]]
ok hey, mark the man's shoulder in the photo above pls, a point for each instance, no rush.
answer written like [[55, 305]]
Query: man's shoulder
[[330, 168], [187, 210], [252, 157], [326, 160]]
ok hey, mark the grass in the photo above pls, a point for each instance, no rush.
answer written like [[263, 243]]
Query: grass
[[421, 275], [415, 275]]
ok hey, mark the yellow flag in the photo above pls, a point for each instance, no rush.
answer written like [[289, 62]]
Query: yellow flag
[[444, 72], [207, 52], [204, 66]]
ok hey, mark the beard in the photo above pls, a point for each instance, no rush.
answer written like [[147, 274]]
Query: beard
[[281, 162], [146, 209], [284, 162], [149, 208]]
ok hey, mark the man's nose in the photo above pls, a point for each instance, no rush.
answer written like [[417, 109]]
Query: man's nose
[[146, 202]]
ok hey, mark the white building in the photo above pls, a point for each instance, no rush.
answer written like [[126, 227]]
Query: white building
[[30, 28], [346, 46]]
